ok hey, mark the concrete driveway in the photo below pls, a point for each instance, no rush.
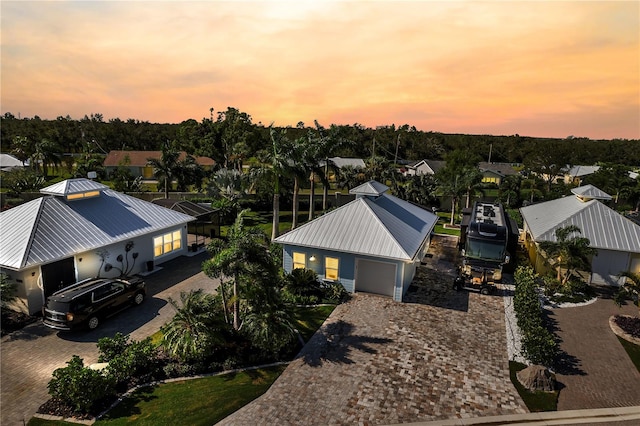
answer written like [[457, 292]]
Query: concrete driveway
[[29, 356], [442, 355]]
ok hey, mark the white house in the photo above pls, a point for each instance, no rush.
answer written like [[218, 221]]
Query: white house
[[9, 162], [616, 238], [372, 244], [81, 229], [424, 167]]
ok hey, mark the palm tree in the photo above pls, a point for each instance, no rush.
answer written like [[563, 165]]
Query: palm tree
[[632, 285], [280, 158], [569, 251], [188, 172], [195, 328], [451, 185], [45, 152], [165, 167], [472, 178], [243, 256]]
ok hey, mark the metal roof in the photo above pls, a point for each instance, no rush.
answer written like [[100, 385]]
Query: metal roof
[[604, 227], [382, 227], [50, 228], [340, 162], [73, 186], [185, 206], [370, 188], [591, 192]]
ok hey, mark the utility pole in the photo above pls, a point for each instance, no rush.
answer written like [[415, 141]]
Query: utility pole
[[395, 159], [490, 147]]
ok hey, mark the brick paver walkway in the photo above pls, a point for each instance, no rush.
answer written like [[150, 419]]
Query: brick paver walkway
[[442, 355], [29, 356], [596, 372]]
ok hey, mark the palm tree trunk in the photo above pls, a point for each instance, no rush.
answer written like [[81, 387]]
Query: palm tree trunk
[[276, 217], [224, 302], [325, 190], [236, 303], [166, 187], [453, 209], [296, 189], [312, 195]]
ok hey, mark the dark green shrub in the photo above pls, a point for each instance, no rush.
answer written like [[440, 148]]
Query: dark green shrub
[[78, 386], [335, 293], [302, 284], [126, 359], [538, 343]]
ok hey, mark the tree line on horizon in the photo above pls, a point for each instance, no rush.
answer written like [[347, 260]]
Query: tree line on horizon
[[231, 137]]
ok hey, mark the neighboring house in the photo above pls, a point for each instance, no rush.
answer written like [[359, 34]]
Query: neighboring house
[[424, 167], [81, 229], [495, 172], [372, 244], [138, 162], [340, 162], [575, 174], [616, 238], [9, 162]]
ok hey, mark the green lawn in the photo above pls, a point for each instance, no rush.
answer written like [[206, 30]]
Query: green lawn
[[308, 320], [633, 351], [535, 401]]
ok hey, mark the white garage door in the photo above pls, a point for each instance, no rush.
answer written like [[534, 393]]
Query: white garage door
[[607, 265], [375, 277]]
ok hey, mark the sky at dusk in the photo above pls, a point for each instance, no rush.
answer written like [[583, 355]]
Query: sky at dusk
[[545, 68]]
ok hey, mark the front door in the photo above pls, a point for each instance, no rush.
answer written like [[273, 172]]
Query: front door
[[58, 275]]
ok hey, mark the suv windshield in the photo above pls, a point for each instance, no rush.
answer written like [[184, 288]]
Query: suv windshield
[[483, 249]]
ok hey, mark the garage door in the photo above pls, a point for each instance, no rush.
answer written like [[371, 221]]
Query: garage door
[[375, 277], [607, 265]]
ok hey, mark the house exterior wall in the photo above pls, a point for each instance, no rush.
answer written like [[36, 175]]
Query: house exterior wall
[[89, 264], [405, 271]]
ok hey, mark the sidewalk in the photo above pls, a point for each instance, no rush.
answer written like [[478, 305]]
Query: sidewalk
[[619, 416]]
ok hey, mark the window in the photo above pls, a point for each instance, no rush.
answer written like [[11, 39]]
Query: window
[[299, 260], [167, 243], [331, 268]]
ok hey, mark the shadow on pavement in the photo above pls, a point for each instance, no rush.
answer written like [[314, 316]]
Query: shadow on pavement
[[335, 343]]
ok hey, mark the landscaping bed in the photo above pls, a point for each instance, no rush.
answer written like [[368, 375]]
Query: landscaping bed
[[12, 321]]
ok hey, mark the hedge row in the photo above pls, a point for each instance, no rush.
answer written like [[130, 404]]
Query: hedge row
[[538, 343]]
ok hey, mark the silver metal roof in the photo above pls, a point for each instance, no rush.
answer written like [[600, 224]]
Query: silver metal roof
[[383, 227], [340, 162], [592, 192], [50, 228], [370, 188], [604, 227], [73, 186]]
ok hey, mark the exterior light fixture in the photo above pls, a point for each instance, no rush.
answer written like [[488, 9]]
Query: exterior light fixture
[[312, 258]]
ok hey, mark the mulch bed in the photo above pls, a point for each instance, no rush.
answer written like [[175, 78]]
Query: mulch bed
[[12, 321], [630, 325]]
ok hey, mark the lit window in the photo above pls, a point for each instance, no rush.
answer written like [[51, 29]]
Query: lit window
[[167, 243], [299, 260], [331, 268], [79, 195]]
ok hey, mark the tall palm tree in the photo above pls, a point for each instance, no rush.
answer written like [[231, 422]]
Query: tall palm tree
[[280, 159], [195, 328], [570, 251], [164, 168], [451, 185], [243, 256]]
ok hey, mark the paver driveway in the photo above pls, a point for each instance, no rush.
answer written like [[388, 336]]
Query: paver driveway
[[29, 356], [381, 362]]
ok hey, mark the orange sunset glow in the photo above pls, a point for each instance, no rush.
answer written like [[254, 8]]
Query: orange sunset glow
[[548, 68]]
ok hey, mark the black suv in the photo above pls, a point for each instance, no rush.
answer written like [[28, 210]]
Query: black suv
[[89, 301]]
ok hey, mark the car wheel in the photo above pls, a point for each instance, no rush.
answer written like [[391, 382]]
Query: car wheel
[[485, 290], [93, 323], [138, 298]]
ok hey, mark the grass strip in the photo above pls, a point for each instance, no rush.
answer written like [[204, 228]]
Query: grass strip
[[633, 351], [308, 320], [535, 401]]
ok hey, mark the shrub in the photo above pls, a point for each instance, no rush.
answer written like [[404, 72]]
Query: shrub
[[303, 284], [78, 386], [335, 293], [538, 343], [126, 359]]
